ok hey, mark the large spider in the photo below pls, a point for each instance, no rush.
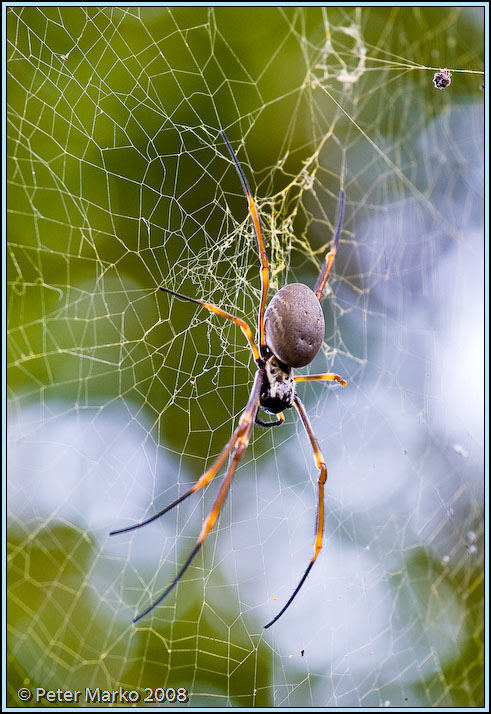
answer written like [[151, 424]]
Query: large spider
[[290, 335]]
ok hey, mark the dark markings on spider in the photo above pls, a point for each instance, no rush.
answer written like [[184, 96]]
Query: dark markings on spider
[[290, 333]]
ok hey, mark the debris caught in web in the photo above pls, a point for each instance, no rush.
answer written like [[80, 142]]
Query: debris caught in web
[[442, 79]]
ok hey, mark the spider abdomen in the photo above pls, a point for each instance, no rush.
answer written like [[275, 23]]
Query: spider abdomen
[[294, 325]]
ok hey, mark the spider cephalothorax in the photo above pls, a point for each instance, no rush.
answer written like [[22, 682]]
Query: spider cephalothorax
[[278, 386], [290, 333]]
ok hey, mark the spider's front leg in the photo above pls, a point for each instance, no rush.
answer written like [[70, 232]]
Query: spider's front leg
[[321, 465], [239, 441]]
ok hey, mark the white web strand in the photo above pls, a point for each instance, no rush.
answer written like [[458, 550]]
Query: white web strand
[[120, 398]]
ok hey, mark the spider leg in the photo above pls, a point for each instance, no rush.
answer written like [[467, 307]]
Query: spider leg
[[264, 271], [321, 465], [240, 440], [203, 481], [277, 422], [218, 311], [213, 470], [329, 260], [329, 376]]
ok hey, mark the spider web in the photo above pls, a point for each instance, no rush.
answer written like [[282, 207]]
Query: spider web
[[120, 396]]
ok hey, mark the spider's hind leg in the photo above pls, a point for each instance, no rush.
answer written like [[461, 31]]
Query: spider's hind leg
[[218, 311], [329, 260], [264, 270]]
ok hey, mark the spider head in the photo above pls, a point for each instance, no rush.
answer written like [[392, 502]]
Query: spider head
[[278, 388]]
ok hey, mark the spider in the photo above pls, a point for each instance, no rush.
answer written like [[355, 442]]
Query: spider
[[290, 333]]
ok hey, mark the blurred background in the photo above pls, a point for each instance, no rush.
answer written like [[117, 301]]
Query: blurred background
[[120, 396]]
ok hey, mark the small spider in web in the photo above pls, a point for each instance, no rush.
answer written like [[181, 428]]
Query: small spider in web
[[290, 333]]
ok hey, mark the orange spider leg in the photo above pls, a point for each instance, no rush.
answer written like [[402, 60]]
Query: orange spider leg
[[264, 272], [218, 311], [240, 439], [203, 481], [321, 465], [213, 470], [329, 376], [329, 260]]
